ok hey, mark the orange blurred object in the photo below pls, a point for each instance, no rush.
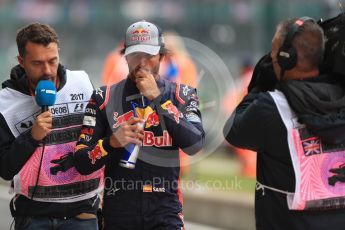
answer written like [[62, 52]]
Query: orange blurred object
[[231, 99]]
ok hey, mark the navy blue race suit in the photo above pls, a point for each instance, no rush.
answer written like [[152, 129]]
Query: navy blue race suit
[[148, 196]]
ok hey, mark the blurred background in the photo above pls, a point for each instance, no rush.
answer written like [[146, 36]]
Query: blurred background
[[219, 42]]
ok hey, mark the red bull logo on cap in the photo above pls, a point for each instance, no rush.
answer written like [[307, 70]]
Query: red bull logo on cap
[[140, 34]]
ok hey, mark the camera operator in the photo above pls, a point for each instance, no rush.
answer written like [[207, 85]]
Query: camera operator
[[293, 117]]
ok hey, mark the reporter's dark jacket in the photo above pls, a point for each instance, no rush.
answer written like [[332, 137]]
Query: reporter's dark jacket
[[256, 125], [14, 152]]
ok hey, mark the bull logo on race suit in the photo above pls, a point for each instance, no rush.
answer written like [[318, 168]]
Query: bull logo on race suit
[[97, 153], [171, 108], [151, 120], [148, 114]]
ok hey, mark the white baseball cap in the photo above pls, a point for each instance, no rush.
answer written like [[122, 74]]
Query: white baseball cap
[[143, 37]]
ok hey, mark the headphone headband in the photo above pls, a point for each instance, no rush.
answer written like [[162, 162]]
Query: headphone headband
[[293, 29], [287, 54]]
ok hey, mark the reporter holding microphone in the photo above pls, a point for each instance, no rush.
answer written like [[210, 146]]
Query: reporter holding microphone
[[45, 96], [41, 114]]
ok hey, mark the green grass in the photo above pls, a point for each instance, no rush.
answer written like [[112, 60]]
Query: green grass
[[218, 173]]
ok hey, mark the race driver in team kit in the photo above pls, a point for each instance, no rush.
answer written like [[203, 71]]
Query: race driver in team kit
[[148, 196]]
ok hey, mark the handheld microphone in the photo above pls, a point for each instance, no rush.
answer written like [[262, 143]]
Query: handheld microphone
[[45, 94]]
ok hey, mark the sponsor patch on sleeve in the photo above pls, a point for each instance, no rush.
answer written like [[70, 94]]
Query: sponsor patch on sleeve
[[85, 137], [171, 108], [90, 111], [98, 152], [89, 121], [192, 117]]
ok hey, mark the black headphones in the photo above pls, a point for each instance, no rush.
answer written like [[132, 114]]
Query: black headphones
[[287, 54]]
